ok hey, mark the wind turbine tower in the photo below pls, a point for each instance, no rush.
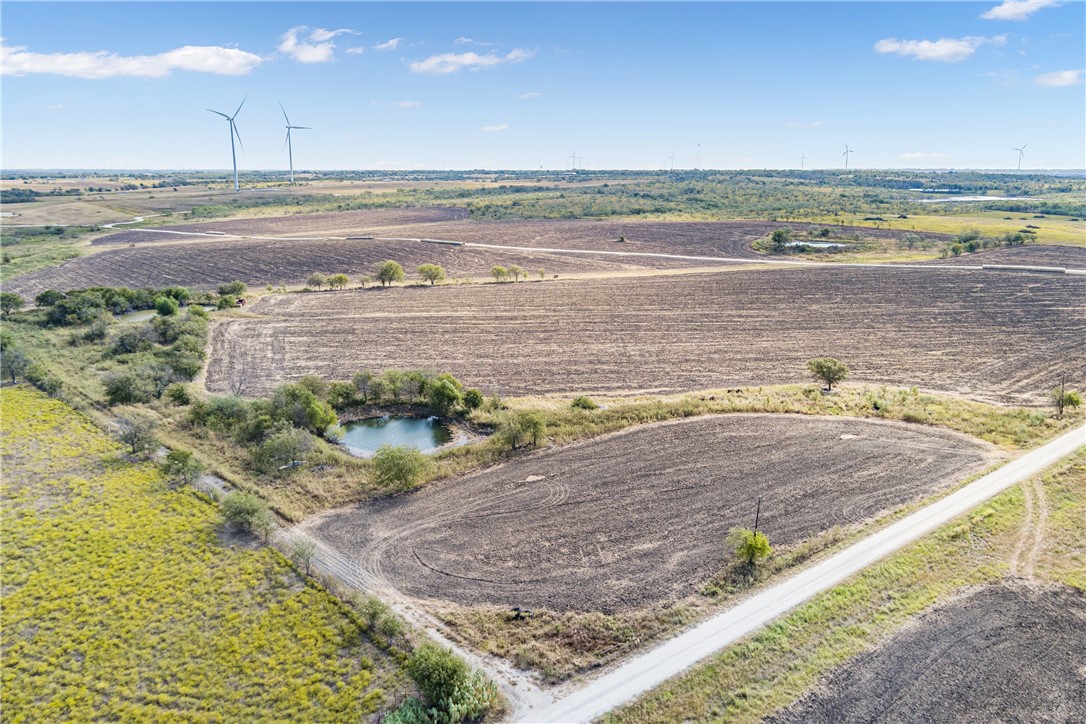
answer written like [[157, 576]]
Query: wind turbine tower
[[846, 155], [802, 161], [234, 132], [1021, 153], [672, 159], [287, 143], [573, 159]]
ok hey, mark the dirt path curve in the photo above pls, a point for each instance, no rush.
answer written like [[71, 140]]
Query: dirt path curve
[[517, 686], [640, 674]]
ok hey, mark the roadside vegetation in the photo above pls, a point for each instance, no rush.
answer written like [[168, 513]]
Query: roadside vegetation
[[771, 669]]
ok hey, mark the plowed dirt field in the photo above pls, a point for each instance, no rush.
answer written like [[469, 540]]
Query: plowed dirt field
[[1006, 653], [639, 517], [994, 336]]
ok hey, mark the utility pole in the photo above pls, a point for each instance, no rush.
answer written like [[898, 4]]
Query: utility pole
[[757, 515]]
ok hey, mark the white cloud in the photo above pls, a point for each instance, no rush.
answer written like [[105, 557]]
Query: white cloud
[[355, 51], [496, 127], [408, 104], [316, 48], [929, 157], [56, 106], [946, 50], [818, 124], [472, 41], [1060, 78], [390, 44], [1017, 9], [452, 62], [17, 60], [529, 95]]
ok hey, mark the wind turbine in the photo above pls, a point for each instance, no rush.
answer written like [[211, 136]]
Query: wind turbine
[[287, 143], [672, 159], [846, 154], [234, 132], [580, 160], [802, 160], [573, 158], [698, 164], [1021, 153]]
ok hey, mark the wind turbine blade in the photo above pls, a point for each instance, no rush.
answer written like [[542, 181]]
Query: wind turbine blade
[[240, 105], [1024, 146], [237, 133], [227, 117], [301, 128], [287, 139], [284, 110]]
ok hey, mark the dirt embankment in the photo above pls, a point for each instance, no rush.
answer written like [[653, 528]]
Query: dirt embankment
[[640, 517], [1004, 653]]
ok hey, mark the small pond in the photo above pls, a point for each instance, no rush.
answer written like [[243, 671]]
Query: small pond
[[818, 244], [426, 434]]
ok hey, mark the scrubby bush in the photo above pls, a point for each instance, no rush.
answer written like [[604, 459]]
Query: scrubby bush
[[182, 468], [232, 289], [444, 395], [10, 302], [521, 427], [123, 388], [166, 306], [473, 398], [297, 404], [438, 673], [779, 239], [431, 273], [178, 394], [399, 468], [749, 547], [584, 403], [242, 511], [282, 449], [38, 376], [389, 272]]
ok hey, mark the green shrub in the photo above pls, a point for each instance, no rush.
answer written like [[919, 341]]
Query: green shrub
[[243, 511], [438, 673], [399, 467], [584, 403], [473, 399], [166, 306]]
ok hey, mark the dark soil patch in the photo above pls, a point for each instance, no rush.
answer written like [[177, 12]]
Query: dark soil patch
[[640, 517], [1068, 257], [1006, 653]]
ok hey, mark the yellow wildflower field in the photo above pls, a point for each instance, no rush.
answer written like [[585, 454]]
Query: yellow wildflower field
[[120, 600]]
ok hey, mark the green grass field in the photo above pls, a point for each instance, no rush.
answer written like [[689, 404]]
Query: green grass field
[[124, 601]]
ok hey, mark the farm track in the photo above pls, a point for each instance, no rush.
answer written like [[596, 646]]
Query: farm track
[[540, 531], [1007, 652], [999, 336]]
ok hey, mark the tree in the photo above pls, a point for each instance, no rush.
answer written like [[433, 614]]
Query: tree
[[749, 547], [431, 273], [389, 272], [232, 289], [158, 377], [166, 306], [316, 279], [282, 449], [542, 274], [514, 271], [9, 302], [444, 396], [182, 468], [364, 280], [338, 281], [584, 403], [399, 467], [438, 672], [523, 425], [362, 382], [499, 273], [828, 370], [48, 298], [780, 239], [296, 404], [473, 398], [14, 362], [136, 431], [301, 553], [123, 388], [1064, 399], [243, 510]]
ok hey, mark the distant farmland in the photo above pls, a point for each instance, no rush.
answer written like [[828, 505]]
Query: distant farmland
[[992, 336]]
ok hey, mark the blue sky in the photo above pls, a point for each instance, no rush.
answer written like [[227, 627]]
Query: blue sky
[[523, 85]]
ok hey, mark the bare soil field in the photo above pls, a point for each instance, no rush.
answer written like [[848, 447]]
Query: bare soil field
[[340, 223], [1004, 653], [259, 263], [991, 336], [1068, 257], [639, 517]]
